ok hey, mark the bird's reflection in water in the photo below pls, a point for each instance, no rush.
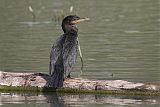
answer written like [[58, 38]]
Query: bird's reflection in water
[[55, 100]]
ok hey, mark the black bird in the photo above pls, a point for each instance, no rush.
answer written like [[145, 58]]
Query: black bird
[[64, 52]]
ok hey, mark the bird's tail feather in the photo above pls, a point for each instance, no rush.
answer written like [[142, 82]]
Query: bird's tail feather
[[57, 78]]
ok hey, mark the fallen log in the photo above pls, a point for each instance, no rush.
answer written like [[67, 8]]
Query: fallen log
[[37, 82]]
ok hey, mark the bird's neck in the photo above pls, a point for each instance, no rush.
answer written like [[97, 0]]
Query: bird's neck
[[71, 34], [70, 37]]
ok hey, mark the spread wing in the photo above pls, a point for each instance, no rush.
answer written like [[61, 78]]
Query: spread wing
[[55, 53]]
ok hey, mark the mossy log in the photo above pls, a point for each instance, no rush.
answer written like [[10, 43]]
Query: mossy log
[[37, 82]]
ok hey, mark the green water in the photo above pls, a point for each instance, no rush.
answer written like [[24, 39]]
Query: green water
[[121, 40]]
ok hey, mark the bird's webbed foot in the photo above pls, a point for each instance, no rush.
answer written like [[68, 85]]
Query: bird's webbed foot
[[69, 76]]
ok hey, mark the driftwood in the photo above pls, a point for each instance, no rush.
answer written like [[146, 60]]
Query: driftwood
[[39, 81]]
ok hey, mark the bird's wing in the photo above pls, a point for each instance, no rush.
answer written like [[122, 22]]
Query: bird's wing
[[55, 53]]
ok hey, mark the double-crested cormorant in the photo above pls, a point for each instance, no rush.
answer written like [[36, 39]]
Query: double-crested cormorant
[[64, 52]]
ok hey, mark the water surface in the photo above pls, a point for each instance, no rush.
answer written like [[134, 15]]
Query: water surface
[[74, 100]]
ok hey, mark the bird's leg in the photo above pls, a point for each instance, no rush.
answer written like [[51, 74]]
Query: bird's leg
[[69, 76], [80, 54]]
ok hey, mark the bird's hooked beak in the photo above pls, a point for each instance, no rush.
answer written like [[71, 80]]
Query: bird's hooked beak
[[79, 20]]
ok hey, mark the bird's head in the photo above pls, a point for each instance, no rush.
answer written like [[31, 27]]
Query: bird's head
[[69, 23]]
